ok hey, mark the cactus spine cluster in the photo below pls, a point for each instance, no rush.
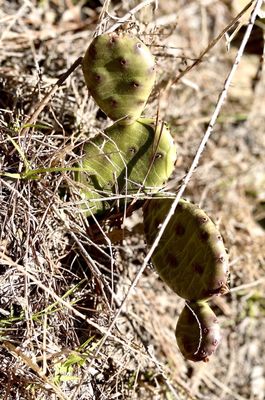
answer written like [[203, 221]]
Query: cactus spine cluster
[[191, 259], [137, 154]]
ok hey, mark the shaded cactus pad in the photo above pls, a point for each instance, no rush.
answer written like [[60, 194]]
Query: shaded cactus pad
[[126, 159], [190, 257], [119, 71], [197, 331]]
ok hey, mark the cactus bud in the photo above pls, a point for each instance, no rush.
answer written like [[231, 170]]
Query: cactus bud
[[197, 332]]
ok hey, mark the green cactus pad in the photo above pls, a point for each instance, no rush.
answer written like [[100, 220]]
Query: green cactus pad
[[190, 257], [125, 160], [119, 71], [197, 332]]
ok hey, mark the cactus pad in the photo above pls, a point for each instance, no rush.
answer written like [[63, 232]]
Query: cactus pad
[[197, 331], [190, 257], [119, 71], [124, 160]]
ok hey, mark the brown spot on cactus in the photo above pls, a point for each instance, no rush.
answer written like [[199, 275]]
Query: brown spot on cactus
[[180, 229], [113, 103], [158, 155], [180, 207], [197, 333], [202, 220], [123, 62], [204, 236], [221, 289], [92, 51], [224, 289], [140, 102], [202, 260], [198, 268], [171, 258], [113, 39], [114, 57], [132, 150], [135, 84], [221, 259], [203, 355], [151, 70]]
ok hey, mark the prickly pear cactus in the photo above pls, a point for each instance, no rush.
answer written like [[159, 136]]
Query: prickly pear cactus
[[197, 331], [124, 160], [190, 257], [119, 71]]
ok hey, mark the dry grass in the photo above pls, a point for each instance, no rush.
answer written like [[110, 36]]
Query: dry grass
[[61, 282]]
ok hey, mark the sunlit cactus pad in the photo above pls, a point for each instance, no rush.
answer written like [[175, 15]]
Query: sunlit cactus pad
[[190, 257], [119, 71], [197, 331], [125, 160]]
